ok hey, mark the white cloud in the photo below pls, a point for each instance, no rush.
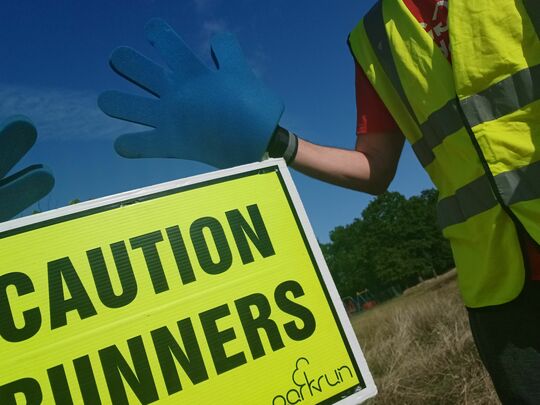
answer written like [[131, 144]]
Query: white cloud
[[258, 61], [62, 114], [203, 6], [211, 27]]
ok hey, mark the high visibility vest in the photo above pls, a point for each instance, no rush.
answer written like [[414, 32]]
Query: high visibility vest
[[473, 124]]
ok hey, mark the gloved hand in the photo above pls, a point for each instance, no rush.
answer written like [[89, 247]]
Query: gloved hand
[[223, 117], [22, 189]]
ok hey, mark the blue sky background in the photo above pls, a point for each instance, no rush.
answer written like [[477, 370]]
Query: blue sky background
[[55, 63]]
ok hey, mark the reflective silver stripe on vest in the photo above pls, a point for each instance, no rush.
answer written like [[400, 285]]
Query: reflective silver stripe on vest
[[521, 184], [440, 124], [515, 186], [376, 33], [468, 201], [504, 97], [533, 9]]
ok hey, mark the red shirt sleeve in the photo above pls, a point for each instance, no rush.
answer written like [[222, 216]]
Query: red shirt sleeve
[[372, 114]]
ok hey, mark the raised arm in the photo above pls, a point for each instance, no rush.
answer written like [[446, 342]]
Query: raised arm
[[226, 117], [369, 168]]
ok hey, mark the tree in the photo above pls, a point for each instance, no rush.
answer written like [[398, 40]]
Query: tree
[[395, 244]]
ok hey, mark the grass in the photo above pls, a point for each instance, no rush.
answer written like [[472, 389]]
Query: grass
[[420, 350]]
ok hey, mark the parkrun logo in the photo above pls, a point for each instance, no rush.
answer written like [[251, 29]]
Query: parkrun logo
[[308, 384]]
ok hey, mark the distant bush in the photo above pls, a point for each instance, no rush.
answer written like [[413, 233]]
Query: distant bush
[[395, 244]]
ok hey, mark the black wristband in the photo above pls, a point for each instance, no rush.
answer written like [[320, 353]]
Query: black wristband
[[283, 144]]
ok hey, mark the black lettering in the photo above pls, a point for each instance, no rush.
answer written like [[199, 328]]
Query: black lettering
[[62, 271], [258, 234], [217, 338], [180, 254], [147, 243], [190, 359], [59, 385], [294, 309], [201, 245], [32, 317], [281, 397], [296, 394], [330, 383], [115, 367], [252, 323], [102, 278], [27, 386], [87, 381], [348, 370]]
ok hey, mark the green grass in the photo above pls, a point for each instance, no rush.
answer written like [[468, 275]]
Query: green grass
[[420, 350]]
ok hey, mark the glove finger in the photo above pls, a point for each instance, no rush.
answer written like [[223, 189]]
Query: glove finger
[[173, 49], [133, 66], [227, 53], [24, 188], [128, 107], [143, 144], [17, 135]]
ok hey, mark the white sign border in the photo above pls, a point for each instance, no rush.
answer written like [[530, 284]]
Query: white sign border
[[371, 389]]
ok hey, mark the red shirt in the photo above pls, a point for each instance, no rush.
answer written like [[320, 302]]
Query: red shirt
[[373, 116]]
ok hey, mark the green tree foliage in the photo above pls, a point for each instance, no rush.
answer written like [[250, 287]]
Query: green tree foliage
[[395, 244]]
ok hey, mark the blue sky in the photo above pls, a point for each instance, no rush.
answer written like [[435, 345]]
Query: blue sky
[[55, 63]]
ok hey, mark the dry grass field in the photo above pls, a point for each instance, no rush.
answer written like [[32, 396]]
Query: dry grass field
[[420, 349]]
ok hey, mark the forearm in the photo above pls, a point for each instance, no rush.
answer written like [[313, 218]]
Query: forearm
[[370, 167], [346, 168]]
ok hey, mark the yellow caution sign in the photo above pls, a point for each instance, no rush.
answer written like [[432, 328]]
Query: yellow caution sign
[[209, 290]]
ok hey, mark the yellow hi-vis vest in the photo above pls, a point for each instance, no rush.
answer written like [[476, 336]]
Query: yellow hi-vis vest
[[473, 124]]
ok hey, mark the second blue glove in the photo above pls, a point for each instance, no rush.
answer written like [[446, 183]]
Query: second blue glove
[[24, 188]]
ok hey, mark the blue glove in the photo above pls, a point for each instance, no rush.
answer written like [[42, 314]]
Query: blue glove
[[22, 189], [223, 117]]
